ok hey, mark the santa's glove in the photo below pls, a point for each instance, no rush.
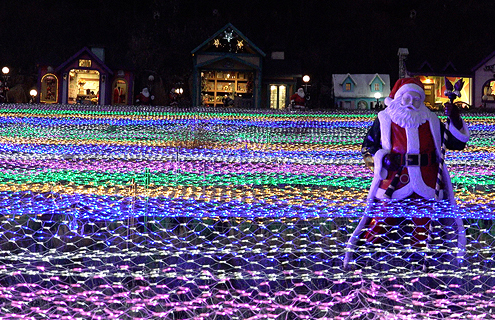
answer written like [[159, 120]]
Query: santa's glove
[[452, 111], [391, 161]]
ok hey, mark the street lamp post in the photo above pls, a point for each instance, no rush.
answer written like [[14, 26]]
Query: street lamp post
[[151, 80], [33, 93], [377, 95], [5, 88], [306, 79], [402, 53]]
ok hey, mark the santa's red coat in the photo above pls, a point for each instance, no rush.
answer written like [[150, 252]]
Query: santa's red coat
[[142, 99], [387, 137], [298, 100]]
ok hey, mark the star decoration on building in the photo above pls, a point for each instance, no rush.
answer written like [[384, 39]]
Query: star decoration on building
[[240, 44], [229, 35]]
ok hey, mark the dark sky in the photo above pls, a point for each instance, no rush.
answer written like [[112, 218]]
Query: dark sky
[[355, 36]]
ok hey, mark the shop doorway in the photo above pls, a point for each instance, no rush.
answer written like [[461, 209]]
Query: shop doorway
[[84, 86], [429, 95], [49, 89], [278, 96]]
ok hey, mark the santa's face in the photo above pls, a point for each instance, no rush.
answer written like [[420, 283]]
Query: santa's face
[[408, 110], [411, 100]]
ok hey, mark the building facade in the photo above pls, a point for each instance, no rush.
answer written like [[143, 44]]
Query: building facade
[[227, 70], [280, 80], [360, 91], [433, 75], [84, 78], [484, 83], [230, 70]]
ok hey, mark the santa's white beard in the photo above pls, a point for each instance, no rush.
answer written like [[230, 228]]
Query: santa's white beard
[[301, 94], [407, 117]]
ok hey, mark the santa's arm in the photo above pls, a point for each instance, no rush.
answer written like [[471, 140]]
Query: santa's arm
[[371, 144], [458, 132], [457, 138]]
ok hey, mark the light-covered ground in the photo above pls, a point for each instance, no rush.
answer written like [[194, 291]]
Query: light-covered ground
[[224, 214]]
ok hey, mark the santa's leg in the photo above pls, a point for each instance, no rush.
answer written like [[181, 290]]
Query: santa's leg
[[351, 244], [448, 243], [419, 238], [461, 240]]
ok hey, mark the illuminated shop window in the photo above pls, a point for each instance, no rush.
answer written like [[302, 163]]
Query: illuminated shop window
[[277, 96], [119, 93], [85, 63], [49, 89], [84, 86], [216, 86], [489, 91]]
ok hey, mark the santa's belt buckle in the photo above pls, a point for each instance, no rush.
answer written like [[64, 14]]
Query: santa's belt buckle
[[412, 160]]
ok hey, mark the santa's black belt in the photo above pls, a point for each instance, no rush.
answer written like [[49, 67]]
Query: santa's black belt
[[415, 159]]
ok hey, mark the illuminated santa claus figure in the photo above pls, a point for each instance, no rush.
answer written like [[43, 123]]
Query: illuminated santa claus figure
[[403, 148], [298, 99], [144, 97]]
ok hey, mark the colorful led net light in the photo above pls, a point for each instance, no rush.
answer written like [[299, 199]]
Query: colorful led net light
[[201, 214]]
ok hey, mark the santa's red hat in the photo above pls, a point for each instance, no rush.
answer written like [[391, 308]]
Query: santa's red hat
[[403, 85]]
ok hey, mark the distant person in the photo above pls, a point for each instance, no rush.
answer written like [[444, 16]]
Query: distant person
[[228, 101]]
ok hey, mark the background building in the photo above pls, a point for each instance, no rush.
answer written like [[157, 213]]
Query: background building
[[84, 78], [484, 83], [360, 91], [230, 70], [227, 70]]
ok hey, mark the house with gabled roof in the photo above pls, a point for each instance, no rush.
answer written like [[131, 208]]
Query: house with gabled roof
[[484, 83], [360, 91], [227, 67], [479, 81], [432, 74], [84, 78], [230, 70]]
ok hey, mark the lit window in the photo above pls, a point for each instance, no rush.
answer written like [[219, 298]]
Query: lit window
[[489, 91], [49, 89], [85, 63], [277, 96], [347, 87], [377, 87]]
